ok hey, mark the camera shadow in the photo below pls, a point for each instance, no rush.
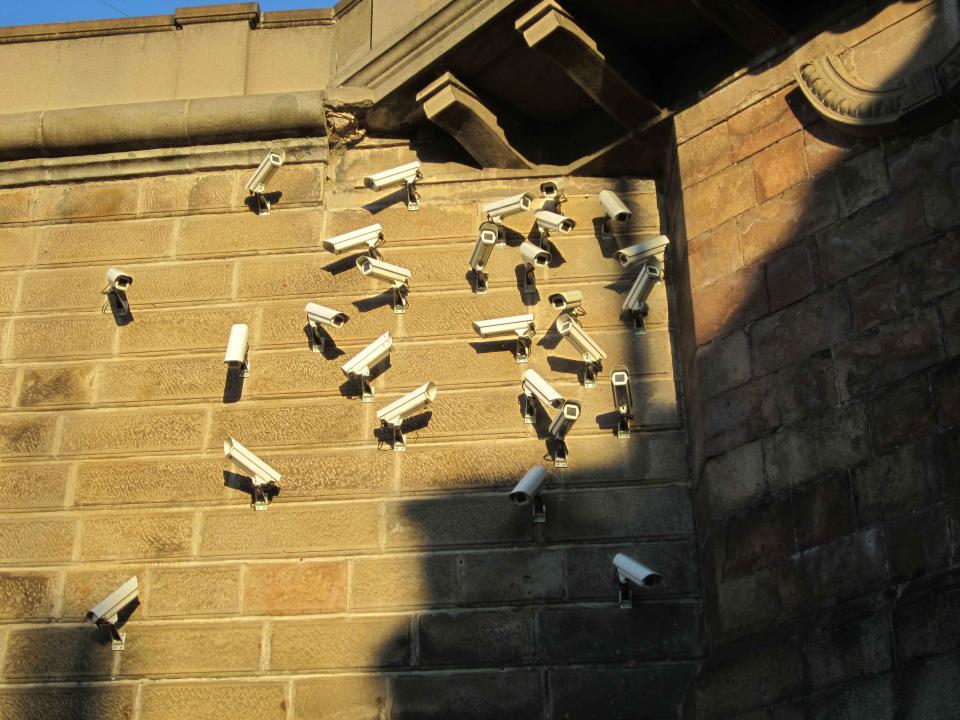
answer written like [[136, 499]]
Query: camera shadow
[[119, 308], [233, 386], [271, 197], [243, 483]]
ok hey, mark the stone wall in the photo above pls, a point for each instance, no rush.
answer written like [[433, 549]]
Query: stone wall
[[378, 584], [819, 315]]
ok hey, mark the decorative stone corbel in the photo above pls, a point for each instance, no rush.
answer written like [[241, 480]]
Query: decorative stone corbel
[[450, 104]]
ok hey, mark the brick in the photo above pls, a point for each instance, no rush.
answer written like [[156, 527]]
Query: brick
[[741, 414], [245, 232], [946, 394], [927, 626], [816, 446], [764, 123], [839, 654], [35, 540], [731, 302], [136, 536], [800, 330], [132, 430], [714, 254], [431, 222], [106, 242], [257, 425], [900, 414], [247, 701], [172, 330], [57, 653], [735, 480], [135, 481], [82, 589], [888, 353], [512, 576], [85, 200], [172, 193], [826, 146], [618, 513], [336, 697], [589, 570], [283, 531], [15, 205], [759, 537], [75, 337], [468, 696], [619, 693], [877, 294], [785, 219], [295, 588], [792, 274], [719, 198], [931, 689], [933, 270], [861, 181], [401, 582], [456, 521], [879, 232], [213, 649], [918, 544], [779, 167], [26, 486], [723, 364], [808, 387], [115, 702], [823, 511], [748, 604], [17, 247], [359, 642], [652, 630], [476, 638], [60, 385], [183, 591], [27, 595], [831, 573], [704, 155], [893, 484]]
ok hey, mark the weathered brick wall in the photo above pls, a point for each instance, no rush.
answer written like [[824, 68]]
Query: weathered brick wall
[[378, 584], [820, 335]]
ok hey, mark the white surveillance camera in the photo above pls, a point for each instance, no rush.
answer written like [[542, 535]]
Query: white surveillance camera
[[613, 207], [635, 303], [570, 301], [551, 188], [257, 184], [487, 239], [116, 291], [588, 348], [369, 238], [107, 612], [398, 277], [117, 279], [560, 427], [318, 315], [237, 356], [359, 365], [529, 489], [520, 326], [642, 250], [534, 255], [548, 222], [534, 386], [406, 175], [497, 210], [262, 475], [622, 399], [393, 415], [632, 572]]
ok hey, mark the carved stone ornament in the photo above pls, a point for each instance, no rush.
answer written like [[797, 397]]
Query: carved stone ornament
[[344, 128]]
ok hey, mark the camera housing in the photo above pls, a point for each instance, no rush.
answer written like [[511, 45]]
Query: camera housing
[[321, 315], [622, 399], [534, 386], [359, 365], [257, 185], [406, 175], [635, 302], [488, 237], [643, 250], [118, 282], [520, 326], [533, 256], [629, 572], [548, 222], [106, 613], [569, 301], [237, 356], [591, 352], [528, 489], [392, 416], [398, 277], [560, 427], [497, 210], [263, 477], [614, 210], [370, 238]]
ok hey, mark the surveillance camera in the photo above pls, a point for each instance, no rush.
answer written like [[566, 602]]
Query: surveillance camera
[[534, 255], [237, 356], [369, 238], [635, 303], [551, 188], [529, 489], [613, 207], [360, 364], [642, 250], [549, 221], [571, 301], [322, 315], [257, 184], [521, 326], [560, 427], [535, 385], [260, 473], [496, 210], [588, 348], [118, 280], [107, 612], [406, 175], [116, 290], [398, 277], [393, 415], [622, 399], [487, 239], [632, 572]]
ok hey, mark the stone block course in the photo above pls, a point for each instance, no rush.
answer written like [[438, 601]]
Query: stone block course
[[358, 642], [807, 388], [589, 569], [468, 696], [792, 274], [619, 693], [256, 424], [431, 222], [767, 121], [57, 653], [748, 603], [730, 303], [15, 205], [861, 181], [826, 146], [82, 589], [116, 537], [402, 582], [167, 194], [932, 688], [618, 513], [455, 521], [113, 702], [75, 337], [476, 638], [780, 166], [714, 254], [57, 385], [358, 696], [33, 540], [723, 364], [759, 536], [244, 232], [117, 431], [719, 198], [243, 701], [191, 649], [104, 243], [704, 155], [177, 592], [892, 484], [512, 576], [27, 595], [85, 200], [933, 270], [17, 247], [926, 626], [741, 415], [861, 647], [136, 481], [823, 511], [919, 544], [735, 479], [902, 413], [295, 588], [43, 485], [877, 294]]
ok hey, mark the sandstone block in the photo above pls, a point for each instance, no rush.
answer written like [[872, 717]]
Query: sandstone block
[[310, 274], [15, 205], [296, 373], [723, 364], [644, 456], [823, 511], [924, 625], [295, 588], [763, 123], [747, 604], [731, 302], [780, 166], [946, 393], [719, 198], [85, 200], [284, 324], [8, 378], [117, 537], [807, 387], [468, 466], [931, 688], [162, 378], [476, 638], [24, 435], [171, 330], [91, 242], [471, 414], [894, 484], [9, 282], [933, 270], [75, 337], [401, 582], [362, 642], [742, 414], [826, 146], [301, 183], [714, 254], [468, 696], [704, 155], [619, 693], [430, 223], [490, 363], [619, 513], [259, 424], [183, 591], [69, 703], [137, 481], [341, 472], [172, 193], [289, 532], [919, 544], [213, 649], [58, 385], [950, 312], [242, 232], [41, 486], [793, 274], [759, 536], [858, 648], [455, 521], [132, 431], [340, 697], [734, 480], [589, 570], [83, 589], [904, 412], [17, 247], [246, 701], [57, 653], [451, 315], [27, 595], [861, 180], [512, 576]]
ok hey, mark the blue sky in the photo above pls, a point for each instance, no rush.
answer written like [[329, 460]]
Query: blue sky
[[32, 12]]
